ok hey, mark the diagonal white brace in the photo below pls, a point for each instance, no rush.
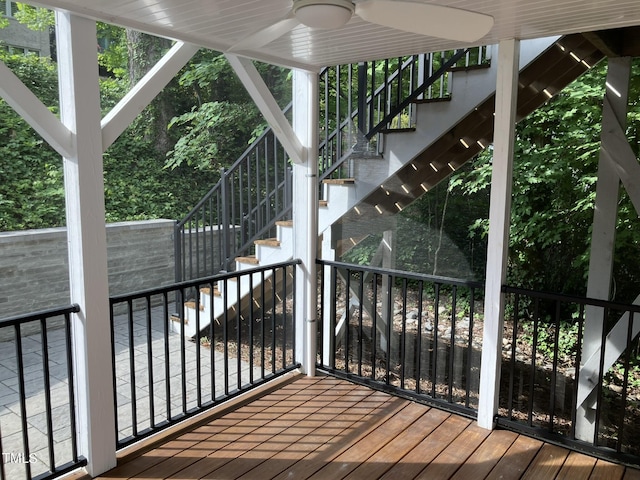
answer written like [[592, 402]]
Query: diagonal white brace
[[252, 81], [141, 95], [29, 107]]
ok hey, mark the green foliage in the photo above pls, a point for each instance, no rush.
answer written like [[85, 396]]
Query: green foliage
[[214, 132], [546, 332], [555, 170], [213, 135], [34, 198], [35, 18], [112, 50]]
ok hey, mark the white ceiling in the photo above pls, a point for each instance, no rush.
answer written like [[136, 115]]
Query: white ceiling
[[220, 24]]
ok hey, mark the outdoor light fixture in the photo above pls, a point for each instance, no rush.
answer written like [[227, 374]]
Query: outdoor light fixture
[[326, 15]]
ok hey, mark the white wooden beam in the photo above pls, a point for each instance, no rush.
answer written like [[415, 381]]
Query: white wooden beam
[[305, 215], [141, 95], [34, 112], [602, 244], [252, 81], [87, 243], [499, 221], [619, 153]]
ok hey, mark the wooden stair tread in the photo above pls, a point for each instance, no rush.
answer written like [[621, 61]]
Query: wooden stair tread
[[252, 260], [207, 291], [270, 242], [323, 203], [339, 181], [192, 304], [285, 223]]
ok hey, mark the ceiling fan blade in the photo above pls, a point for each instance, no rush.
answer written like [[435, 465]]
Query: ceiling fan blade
[[426, 19], [267, 35]]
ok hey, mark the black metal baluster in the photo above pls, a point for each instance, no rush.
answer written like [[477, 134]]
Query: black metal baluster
[[418, 339], [47, 391], [152, 413]]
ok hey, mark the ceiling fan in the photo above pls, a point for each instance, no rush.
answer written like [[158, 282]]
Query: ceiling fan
[[408, 16]]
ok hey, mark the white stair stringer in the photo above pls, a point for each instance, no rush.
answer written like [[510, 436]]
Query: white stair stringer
[[469, 89], [224, 299]]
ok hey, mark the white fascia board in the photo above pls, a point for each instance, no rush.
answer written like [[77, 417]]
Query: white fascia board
[[252, 81], [143, 93], [35, 113]]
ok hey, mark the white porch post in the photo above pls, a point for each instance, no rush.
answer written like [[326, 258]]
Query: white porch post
[[614, 119], [305, 215], [499, 221], [86, 236]]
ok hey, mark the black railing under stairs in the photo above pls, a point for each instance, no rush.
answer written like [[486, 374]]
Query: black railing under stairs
[[358, 102]]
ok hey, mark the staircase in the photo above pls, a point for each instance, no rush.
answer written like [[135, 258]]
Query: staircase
[[362, 188]]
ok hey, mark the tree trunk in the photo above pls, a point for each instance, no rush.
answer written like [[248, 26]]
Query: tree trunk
[[144, 52]]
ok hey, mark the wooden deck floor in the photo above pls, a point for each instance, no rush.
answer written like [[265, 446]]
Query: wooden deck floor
[[325, 428]]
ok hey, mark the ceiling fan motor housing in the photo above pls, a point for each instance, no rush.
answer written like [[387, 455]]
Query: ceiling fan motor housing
[[323, 14]]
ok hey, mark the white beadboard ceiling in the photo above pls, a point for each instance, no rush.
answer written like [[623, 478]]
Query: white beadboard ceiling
[[220, 24]]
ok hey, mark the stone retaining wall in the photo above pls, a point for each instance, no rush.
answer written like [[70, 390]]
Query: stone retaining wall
[[34, 271]]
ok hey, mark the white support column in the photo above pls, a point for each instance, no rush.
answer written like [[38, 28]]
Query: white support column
[[499, 221], [86, 236], [305, 215], [602, 244]]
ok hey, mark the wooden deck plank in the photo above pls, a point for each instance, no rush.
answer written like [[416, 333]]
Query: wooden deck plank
[[393, 452], [417, 459], [632, 474], [325, 428], [576, 466], [547, 463], [456, 453], [314, 461], [486, 457], [516, 460], [607, 471], [361, 450]]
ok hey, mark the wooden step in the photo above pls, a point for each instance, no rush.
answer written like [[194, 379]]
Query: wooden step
[[323, 203], [192, 304], [250, 260], [207, 291], [269, 242], [285, 223], [339, 181]]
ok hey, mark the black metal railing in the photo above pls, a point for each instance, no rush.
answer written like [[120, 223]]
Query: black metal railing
[[542, 357], [161, 377], [250, 197], [37, 404], [409, 334], [359, 101]]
